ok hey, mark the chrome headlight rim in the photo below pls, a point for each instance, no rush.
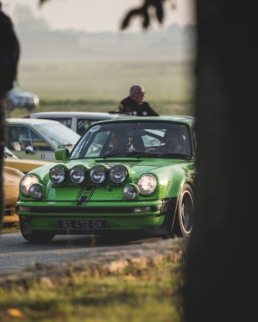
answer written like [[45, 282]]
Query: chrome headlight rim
[[26, 182], [37, 191], [63, 174], [83, 176], [118, 169], [146, 188], [134, 190], [95, 169]]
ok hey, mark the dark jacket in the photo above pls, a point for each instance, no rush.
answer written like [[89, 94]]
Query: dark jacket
[[130, 106]]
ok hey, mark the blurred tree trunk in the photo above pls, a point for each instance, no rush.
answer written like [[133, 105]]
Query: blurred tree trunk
[[221, 260], [9, 57], [2, 117]]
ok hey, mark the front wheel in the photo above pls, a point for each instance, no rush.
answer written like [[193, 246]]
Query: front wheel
[[185, 212], [35, 236]]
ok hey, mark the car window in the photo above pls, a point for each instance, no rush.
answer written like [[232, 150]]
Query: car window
[[38, 143], [63, 120], [25, 137], [58, 134], [153, 137], [136, 137], [97, 144], [15, 140], [83, 125]]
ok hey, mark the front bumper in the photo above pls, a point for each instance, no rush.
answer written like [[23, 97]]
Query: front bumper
[[152, 217]]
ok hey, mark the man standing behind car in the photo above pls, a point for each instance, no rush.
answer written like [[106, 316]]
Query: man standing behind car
[[134, 104], [9, 56]]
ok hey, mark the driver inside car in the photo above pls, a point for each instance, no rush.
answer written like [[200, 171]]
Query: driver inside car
[[172, 144], [120, 142]]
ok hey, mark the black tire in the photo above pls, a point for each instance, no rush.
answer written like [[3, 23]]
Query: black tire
[[35, 236], [185, 212]]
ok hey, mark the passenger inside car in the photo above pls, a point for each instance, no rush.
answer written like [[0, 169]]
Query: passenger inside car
[[174, 142], [14, 142]]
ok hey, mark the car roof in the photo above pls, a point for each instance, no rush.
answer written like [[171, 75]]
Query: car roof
[[29, 121], [99, 115], [187, 119]]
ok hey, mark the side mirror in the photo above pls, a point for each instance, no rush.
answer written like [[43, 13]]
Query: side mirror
[[61, 154], [29, 150]]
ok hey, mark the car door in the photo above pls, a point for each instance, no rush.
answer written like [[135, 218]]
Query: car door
[[32, 145]]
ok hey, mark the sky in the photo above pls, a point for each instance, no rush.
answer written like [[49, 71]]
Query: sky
[[98, 15]]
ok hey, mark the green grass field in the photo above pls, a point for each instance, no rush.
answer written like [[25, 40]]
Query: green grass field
[[100, 85]]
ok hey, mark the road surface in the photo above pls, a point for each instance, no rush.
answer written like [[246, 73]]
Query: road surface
[[16, 253]]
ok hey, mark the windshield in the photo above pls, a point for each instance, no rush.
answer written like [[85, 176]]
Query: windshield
[[58, 134], [140, 139]]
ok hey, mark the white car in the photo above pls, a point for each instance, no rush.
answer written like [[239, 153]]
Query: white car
[[79, 122], [17, 98], [38, 139]]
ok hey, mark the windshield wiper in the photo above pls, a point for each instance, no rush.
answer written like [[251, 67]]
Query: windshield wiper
[[139, 154], [109, 155], [158, 154], [142, 154]]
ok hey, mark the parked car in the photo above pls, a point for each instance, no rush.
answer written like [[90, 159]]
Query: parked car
[[93, 190], [76, 121], [17, 98], [14, 168], [38, 139], [23, 165], [11, 180]]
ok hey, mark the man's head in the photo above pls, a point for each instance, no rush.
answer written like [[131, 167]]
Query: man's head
[[137, 93], [119, 139], [115, 139], [171, 138]]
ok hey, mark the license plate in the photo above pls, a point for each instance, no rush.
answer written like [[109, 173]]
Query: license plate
[[82, 224]]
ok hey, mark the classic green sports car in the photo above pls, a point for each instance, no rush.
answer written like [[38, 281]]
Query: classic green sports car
[[125, 176]]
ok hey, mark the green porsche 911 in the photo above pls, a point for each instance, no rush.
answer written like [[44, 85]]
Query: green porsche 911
[[131, 175]]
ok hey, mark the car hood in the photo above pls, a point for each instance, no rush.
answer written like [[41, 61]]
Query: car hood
[[147, 163], [162, 169], [11, 177], [24, 165]]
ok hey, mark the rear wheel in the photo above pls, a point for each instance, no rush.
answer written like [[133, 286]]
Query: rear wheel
[[35, 236], [185, 212]]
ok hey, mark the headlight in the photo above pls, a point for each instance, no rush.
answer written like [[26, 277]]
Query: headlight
[[131, 191], [37, 191], [147, 184], [77, 174], [26, 182], [118, 174], [97, 174], [57, 174]]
